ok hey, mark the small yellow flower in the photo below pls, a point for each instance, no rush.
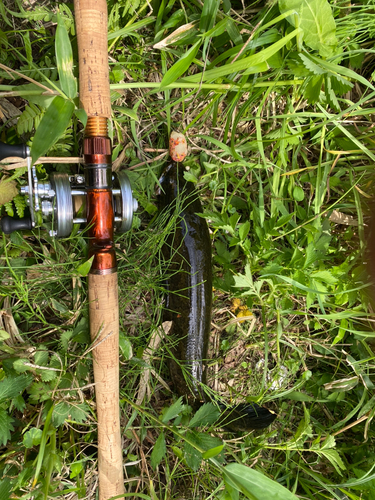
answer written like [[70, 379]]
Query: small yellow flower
[[236, 304], [244, 312]]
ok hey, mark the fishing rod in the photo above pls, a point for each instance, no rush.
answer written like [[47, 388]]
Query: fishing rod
[[109, 205], [92, 34]]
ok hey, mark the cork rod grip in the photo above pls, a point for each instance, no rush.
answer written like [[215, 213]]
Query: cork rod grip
[[92, 32], [104, 326]]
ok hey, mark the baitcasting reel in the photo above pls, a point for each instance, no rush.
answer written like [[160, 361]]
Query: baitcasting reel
[[62, 200]]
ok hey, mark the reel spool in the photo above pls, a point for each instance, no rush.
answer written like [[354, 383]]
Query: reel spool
[[62, 199]]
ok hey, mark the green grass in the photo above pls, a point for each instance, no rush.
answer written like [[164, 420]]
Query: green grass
[[281, 150]]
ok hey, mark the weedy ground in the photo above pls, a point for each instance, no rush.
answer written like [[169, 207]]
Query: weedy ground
[[277, 110]]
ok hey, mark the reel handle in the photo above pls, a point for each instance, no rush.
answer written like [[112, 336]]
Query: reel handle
[[9, 150], [8, 224]]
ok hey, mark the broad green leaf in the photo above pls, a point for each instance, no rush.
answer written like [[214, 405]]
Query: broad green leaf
[[230, 493], [284, 220], [226, 6], [206, 415], [316, 20], [251, 64], [304, 429], [127, 111], [342, 331], [64, 58], [58, 306], [126, 347], [4, 335], [300, 396], [47, 375], [180, 66], [233, 32], [84, 268], [41, 356], [64, 340], [192, 456], [6, 426], [32, 437], [342, 385], [325, 276], [213, 452], [204, 441], [81, 115], [10, 387], [178, 452], [172, 411], [298, 193], [190, 177], [255, 485], [20, 365], [311, 66], [179, 34], [313, 87], [158, 452], [217, 30], [81, 332], [175, 19], [79, 412], [39, 391], [244, 230], [75, 468], [36, 95], [334, 458], [52, 126], [328, 443], [60, 413], [8, 191]]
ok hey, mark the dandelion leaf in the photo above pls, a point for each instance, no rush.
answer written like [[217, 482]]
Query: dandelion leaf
[[316, 20]]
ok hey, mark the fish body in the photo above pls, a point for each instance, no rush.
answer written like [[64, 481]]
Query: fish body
[[245, 416], [187, 252]]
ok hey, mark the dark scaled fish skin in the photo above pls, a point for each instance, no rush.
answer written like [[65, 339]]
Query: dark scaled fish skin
[[188, 251], [189, 302], [245, 416]]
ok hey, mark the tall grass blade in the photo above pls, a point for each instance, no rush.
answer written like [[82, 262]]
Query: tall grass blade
[[43, 444], [64, 58], [180, 66], [208, 15], [256, 63], [342, 70], [124, 32]]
